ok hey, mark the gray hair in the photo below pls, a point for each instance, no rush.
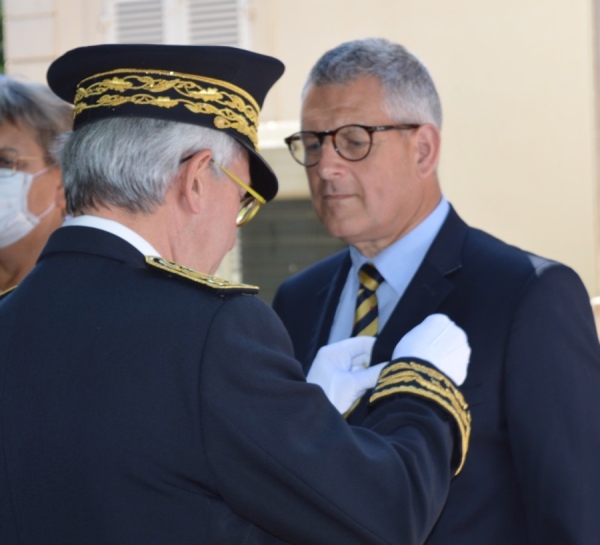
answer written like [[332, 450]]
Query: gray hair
[[409, 92], [130, 162], [37, 107]]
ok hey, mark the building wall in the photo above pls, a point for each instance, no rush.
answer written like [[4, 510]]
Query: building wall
[[516, 78], [37, 31]]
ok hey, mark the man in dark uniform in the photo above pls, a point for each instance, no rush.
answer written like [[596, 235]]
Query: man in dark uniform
[[144, 402], [371, 121]]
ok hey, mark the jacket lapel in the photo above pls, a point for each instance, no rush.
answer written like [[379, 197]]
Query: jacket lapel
[[428, 289], [328, 297], [423, 296]]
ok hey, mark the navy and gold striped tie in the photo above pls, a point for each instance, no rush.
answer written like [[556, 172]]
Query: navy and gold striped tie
[[366, 315]]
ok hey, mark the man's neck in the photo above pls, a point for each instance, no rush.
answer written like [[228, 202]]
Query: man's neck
[[371, 248], [168, 233], [147, 226]]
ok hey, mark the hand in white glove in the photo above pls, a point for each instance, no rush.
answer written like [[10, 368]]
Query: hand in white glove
[[439, 341], [342, 370]]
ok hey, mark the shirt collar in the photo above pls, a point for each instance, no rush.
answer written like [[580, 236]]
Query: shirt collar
[[116, 228], [409, 251]]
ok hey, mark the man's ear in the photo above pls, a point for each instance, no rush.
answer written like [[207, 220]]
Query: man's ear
[[428, 141], [193, 177]]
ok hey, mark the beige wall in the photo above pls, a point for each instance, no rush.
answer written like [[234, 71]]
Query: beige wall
[[37, 31], [516, 78]]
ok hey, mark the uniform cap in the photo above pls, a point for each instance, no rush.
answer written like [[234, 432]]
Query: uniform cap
[[222, 88]]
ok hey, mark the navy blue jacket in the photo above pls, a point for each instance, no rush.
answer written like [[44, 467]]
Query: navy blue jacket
[[138, 407], [532, 475]]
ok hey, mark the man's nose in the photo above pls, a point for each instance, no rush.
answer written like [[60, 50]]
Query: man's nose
[[330, 160]]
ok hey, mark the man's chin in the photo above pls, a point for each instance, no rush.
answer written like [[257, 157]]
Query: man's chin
[[343, 230]]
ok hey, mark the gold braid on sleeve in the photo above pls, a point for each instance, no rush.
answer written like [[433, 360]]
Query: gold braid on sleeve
[[422, 380]]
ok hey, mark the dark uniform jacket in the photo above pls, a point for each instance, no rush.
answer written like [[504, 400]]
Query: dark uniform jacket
[[532, 475], [138, 406]]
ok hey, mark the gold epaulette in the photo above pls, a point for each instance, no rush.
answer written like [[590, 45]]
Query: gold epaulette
[[418, 379], [6, 292], [218, 284]]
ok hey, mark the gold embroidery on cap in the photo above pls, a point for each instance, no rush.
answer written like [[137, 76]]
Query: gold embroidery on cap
[[232, 106]]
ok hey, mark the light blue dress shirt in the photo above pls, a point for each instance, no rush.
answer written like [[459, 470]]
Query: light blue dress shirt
[[398, 263]]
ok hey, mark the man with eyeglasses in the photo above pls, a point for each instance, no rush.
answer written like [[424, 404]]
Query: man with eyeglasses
[[32, 199], [370, 143], [143, 400]]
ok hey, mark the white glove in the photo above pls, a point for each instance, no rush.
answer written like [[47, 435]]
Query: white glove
[[439, 341], [342, 370]]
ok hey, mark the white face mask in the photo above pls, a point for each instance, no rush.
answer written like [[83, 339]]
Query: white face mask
[[16, 220]]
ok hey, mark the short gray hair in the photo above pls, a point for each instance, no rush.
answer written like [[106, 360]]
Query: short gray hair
[[409, 92], [130, 162], [37, 107]]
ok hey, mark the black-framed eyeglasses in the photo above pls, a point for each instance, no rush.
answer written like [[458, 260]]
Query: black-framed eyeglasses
[[10, 160], [352, 142], [250, 203]]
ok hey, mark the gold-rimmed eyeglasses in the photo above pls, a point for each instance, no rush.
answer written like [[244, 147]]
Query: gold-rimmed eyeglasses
[[251, 201], [10, 159], [352, 142]]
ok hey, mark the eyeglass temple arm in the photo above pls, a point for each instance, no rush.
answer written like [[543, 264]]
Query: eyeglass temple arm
[[252, 192]]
